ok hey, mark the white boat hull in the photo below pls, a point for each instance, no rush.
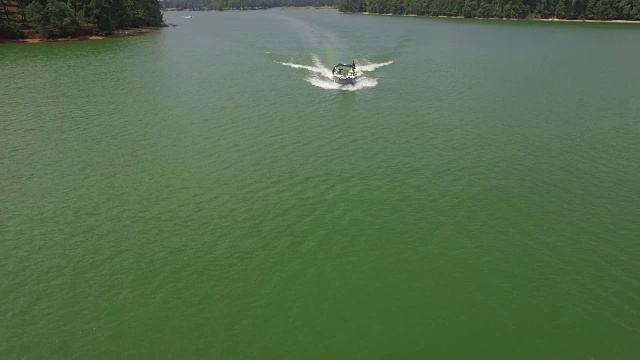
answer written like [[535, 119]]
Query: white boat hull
[[346, 80]]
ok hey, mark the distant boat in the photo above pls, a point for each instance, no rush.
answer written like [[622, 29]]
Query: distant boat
[[187, 17], [345, 73]]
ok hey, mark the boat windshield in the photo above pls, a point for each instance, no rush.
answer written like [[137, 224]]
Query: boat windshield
[[344, 69]]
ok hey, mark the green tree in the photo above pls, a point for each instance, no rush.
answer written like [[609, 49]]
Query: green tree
[[517, 9], [34, 15], [470, 9], [486, 9], [634, 13], [60, 21], [560, 10]]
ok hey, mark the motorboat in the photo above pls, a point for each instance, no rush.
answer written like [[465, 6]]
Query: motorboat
[[344, 73]]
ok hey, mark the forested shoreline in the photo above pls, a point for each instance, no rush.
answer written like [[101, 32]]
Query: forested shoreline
[[73, 18], [243, 4], [52, 19], [503, 9]]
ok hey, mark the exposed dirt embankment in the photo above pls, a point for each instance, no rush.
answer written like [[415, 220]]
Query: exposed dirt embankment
[[116, 34]]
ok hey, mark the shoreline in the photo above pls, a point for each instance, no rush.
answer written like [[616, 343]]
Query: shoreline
[[480, 18], [591, 21], [256, 9], [411, 15], [122, 33]]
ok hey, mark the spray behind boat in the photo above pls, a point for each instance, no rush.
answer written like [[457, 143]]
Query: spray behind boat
[[321, 76]]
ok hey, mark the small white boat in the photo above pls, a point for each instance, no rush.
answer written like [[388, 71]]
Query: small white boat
[[187, 17], [345, 73]]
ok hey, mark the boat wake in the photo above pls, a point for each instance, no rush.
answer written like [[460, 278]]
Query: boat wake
[[320, 75]]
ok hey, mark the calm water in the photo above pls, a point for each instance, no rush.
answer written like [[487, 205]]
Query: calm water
[[205, 192]]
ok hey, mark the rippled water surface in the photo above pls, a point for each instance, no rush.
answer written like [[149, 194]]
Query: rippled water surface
[[205, 191]]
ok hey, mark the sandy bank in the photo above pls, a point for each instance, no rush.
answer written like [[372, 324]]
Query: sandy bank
[[116, 34], [553, 19], [593, 21]]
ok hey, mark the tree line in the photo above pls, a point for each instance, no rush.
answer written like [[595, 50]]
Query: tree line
[[63, 18], [509, 9], [241, 4]]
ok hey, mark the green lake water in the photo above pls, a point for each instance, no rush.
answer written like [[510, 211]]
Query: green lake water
[[206, 191]]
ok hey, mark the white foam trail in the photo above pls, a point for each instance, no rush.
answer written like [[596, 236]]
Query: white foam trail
[[321, 76], [318, 63], [328, 84], [371, 67], [306, 67]]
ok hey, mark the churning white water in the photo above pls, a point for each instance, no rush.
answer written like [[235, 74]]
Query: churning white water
[[319, 75]]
